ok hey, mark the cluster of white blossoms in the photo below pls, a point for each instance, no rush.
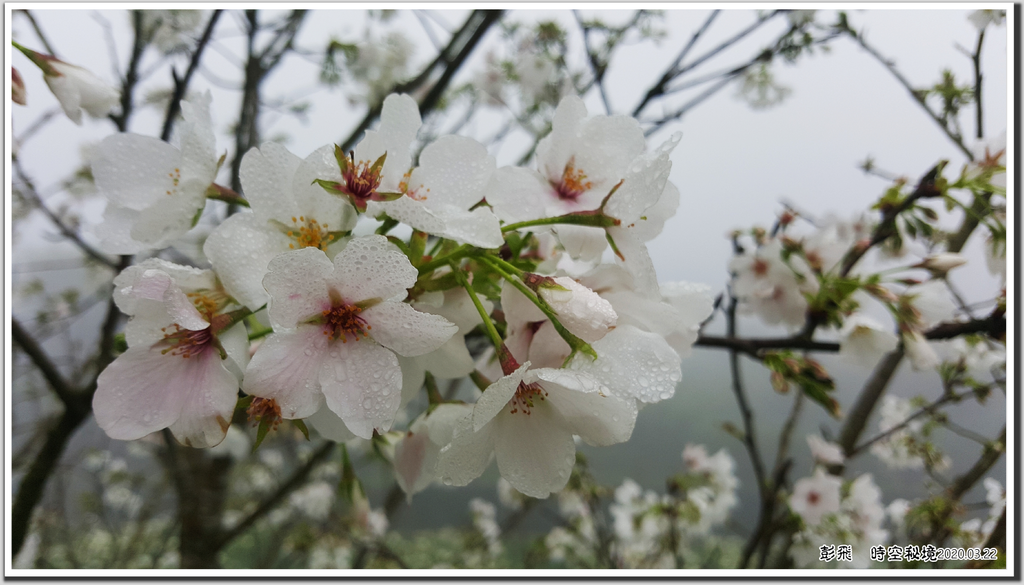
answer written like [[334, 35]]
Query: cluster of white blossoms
[[832, 512], [647, 525], [553, 256], [907, 445]]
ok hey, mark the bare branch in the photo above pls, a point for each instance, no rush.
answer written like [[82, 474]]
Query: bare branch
[[673, 70], [32, 349], [33, 195], [39, 32], [181, 85], [889, 64]]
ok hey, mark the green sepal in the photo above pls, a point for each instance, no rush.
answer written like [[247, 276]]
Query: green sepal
[[297, 423], [378, 164], [332, 187], [339, 155], [244, 403], [261, 433], [120, 343], [387, 196]]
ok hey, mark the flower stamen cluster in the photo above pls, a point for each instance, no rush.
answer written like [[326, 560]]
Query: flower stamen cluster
[[308, 233], [525, 394], [343, 320], [264, 410]]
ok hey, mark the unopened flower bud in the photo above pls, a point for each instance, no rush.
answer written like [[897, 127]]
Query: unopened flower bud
[[779, 383], [17, 87], [881, 293], [940, 264]]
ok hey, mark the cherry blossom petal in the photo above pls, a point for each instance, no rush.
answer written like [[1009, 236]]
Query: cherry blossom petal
[[605, 147], [453, 170], [167, 219], [479, 227], [580, 310], [362, 383], [141, 391], [535, 451], [451, 360], [235, 341], [196, 140], [467, 455], [286, 368], [517, 194], [399, 123], [643, 184], [633, 364], [582, 242], [413, 374], [208, 406], [329, 425], [240, 249], [495, 398], [637, 261], [407, 331], [297, 283], [555, 149], [597, 417], [547, 348], [414, 461], [650, 224], [370, 267], [517, 307], [115, 231], [266, 174], [146, 179]]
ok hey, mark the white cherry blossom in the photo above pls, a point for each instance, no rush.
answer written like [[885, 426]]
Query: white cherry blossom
[[579, 162], [863, 340], [416, 455], [155, 190], [288, 212], [78, 89], [317, 307], [452, 177], [824, 451], [816, 496], [527, 420], [184, 362]]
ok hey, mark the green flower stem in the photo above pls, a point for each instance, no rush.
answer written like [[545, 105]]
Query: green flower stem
[[488, 324], [459, 253], [222, 193], [506, 266], [37, 58], [967, 210], [594, 220], [575, 343]]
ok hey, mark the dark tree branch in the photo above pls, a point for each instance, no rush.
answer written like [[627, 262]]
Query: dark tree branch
[[596, 69], [32, 349], [462, 43], [39, 32], [979, 132], [673, 70], [131, 77], [181, 85]]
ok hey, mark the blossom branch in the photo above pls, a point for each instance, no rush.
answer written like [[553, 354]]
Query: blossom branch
[[926, 410], [131, 77]]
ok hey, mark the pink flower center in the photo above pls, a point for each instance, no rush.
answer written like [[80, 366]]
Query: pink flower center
[[343, 320], [813, 498], [760, 267], [186, 342], [573, 184], [361, 180], [524, 397]]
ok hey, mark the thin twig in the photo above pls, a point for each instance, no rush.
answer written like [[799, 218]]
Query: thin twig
[[33, 195], [39, 32], [913, 92], [673, 70]]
